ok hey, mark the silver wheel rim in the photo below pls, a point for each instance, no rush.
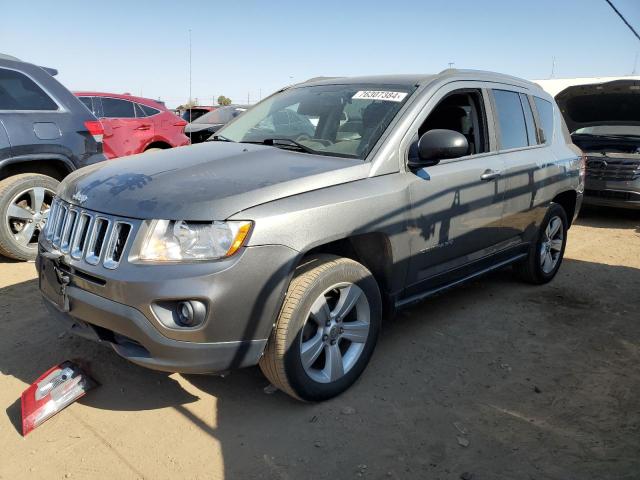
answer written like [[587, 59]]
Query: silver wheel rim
[[27, 213], [335, 332], [551, 246]]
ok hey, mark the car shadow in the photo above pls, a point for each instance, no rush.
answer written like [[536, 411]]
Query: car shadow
[[472, 355]]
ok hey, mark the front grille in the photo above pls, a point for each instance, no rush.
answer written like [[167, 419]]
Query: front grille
[[85, 235], [613, 169]]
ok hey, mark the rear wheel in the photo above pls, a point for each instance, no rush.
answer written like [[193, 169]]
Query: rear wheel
[[326, 331], [25, 201], [546, 254]]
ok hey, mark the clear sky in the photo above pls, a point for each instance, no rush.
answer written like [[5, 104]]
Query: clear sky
[[254, 47]]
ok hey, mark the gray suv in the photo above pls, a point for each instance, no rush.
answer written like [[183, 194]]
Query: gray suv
[[286, 249], [45, 133]]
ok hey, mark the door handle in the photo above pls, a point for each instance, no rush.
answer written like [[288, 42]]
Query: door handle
[[144, 127], [490, 175]]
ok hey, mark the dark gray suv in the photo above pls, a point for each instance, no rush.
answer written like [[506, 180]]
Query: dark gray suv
[[285, 249], [45, 133]]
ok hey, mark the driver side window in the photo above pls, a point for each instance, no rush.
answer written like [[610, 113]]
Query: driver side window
[[463, 112]]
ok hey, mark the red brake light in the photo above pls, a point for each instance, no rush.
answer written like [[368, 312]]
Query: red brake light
[[180, 123], [95, 129]]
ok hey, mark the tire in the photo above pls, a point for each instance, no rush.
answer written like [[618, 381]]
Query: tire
[[324, 284], [19, 195], [532, 269]]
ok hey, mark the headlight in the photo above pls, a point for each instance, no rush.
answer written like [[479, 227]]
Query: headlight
[[171, 241]]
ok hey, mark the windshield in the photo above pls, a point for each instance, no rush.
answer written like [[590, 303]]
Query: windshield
[[623, 130], [336, 120]]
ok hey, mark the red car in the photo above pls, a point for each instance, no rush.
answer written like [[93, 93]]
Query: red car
[[134, 124]]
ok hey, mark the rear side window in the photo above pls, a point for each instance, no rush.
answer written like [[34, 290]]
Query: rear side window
[[19, 92], [528, 116], [513, 129], [545, 112], [116, 108]]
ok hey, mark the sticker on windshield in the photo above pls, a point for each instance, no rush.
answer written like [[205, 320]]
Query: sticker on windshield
[[385, 95]]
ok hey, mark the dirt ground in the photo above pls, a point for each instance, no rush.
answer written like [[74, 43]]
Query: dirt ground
[[493, 380]]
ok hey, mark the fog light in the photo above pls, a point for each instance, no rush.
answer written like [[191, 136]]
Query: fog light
[[190, 313]]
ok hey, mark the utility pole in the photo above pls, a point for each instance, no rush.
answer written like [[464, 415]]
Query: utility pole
[[553, 67], [189, 67], [451, 64], [247, 98]]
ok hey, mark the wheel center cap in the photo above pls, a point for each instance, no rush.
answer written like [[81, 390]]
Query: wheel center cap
[[333, 333]]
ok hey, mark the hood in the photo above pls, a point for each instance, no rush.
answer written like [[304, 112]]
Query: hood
[[610, 103], [207, 181], [198, 127]]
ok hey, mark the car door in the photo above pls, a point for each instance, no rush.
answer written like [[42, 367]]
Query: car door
[[124, 133], [518, 146], [456, 205]]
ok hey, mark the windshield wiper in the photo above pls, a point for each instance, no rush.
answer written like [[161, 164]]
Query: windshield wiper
[[219, 138], [292, 144]]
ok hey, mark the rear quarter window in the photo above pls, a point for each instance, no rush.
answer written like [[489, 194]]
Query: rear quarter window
[[545, 113], [19, 92]]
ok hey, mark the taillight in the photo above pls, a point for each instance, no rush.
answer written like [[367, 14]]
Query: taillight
[[95, 129], [180, 123]]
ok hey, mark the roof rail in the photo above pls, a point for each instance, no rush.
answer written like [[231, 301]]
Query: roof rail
[[461, 71]]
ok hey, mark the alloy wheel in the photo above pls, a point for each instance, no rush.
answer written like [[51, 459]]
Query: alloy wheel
[[335, 332], [27, 213], [551, 245]]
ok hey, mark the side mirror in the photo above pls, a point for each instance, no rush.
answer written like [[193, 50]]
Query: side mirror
[[439, 144]]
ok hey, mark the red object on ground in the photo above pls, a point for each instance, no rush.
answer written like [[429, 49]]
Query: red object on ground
[[134, 124], [56, 388]]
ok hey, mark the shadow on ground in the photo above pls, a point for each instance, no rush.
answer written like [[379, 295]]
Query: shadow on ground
[[540, 381]]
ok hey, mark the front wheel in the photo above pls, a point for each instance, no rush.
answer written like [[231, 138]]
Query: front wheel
[[546, 254], [327, 329]]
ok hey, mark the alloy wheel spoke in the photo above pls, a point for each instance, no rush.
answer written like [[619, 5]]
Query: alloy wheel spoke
[[24, 235], [311, 349], [556, 245], [320, 311], [349, 296], [554, 227], [16, 211], [356, 332], [547, 262], [333, 368], [37, 198]]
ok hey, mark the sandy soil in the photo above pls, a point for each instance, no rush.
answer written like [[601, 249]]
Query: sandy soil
[[494, 380]]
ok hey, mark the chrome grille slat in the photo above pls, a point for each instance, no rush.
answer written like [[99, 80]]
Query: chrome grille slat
[[92, 257], [87, 236]]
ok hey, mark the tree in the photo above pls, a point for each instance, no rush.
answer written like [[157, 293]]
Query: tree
[[224, 101]]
